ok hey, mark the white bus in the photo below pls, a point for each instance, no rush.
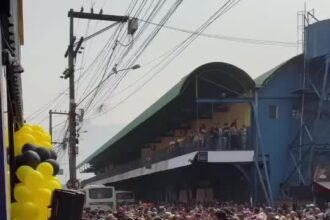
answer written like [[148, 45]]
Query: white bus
[[99, 196], [125, 197]]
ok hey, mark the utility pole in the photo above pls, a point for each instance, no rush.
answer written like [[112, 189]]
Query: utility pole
[[69, 73], [73, 182]]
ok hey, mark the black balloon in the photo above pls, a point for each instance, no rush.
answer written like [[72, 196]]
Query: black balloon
[[43, 153], [31, 158], [55, 165], [19, 161], [27, 147], [53, 154], [16, 180]]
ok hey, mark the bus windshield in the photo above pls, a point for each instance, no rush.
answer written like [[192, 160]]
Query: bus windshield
[[100, 193]]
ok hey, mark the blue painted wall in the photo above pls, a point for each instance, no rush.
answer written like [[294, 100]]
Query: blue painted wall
[[277, 134]]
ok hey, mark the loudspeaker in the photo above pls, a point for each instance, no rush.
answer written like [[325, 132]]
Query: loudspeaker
[[67, 205]]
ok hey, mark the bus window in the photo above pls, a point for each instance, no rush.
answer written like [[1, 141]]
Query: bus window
[[100, 193], [100, 197], [125, 195]]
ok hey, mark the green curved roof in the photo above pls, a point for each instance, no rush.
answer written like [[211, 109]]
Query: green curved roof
[[243, 83]]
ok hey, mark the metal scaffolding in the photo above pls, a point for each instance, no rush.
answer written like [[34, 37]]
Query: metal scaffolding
[[305, 144]]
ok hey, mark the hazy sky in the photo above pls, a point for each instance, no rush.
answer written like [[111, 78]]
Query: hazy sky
[[46, 38]]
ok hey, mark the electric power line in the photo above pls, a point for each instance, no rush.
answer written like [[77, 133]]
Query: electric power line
[[183, 45], [229, 38], [144, 45]]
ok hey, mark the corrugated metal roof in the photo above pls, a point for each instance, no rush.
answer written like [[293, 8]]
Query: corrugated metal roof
[[159, 104], [264, 78]]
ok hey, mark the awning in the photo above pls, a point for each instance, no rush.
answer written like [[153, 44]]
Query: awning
[[177, 162], [181, 161], [322, 186]]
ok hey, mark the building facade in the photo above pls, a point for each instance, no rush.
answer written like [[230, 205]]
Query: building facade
[[11, 39], [218, 134]]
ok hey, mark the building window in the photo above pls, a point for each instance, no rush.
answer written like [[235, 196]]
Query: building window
[[295, 113], [273, 112]]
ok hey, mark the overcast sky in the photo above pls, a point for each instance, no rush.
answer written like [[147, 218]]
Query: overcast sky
[[46, 30]]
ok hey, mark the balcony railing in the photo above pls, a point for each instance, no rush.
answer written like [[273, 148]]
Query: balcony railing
[[171, 152]]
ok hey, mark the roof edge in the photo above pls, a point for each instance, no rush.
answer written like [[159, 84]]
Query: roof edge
[[264, 78]]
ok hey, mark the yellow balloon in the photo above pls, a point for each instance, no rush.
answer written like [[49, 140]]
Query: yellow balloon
[[39, 136], [56, 179], [52, 185], [23, 194], [27, 139], [49, 138], [23, 171], [49, 213], [43, 196], [25, 130], [38, 128], [18, 144], [46, 169], [21, 140], [43, 215], [15, 209], [29, 210], [46, 144], [34, 180], [28, 126]]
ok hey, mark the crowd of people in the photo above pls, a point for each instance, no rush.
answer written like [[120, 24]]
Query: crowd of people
[[216, 137], [216, 211], [221, 137]]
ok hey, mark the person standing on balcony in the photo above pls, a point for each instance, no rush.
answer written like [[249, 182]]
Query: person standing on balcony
[[226, 139], [195, 139], [201, 139], [202, 135], [243, 137], [190, 137], [234, 143], [172, 145], [220, 137], [213, 137]]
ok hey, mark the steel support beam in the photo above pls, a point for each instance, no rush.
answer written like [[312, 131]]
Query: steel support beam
[[324, 86], [296, 165], [226, 100], [266, 187]]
